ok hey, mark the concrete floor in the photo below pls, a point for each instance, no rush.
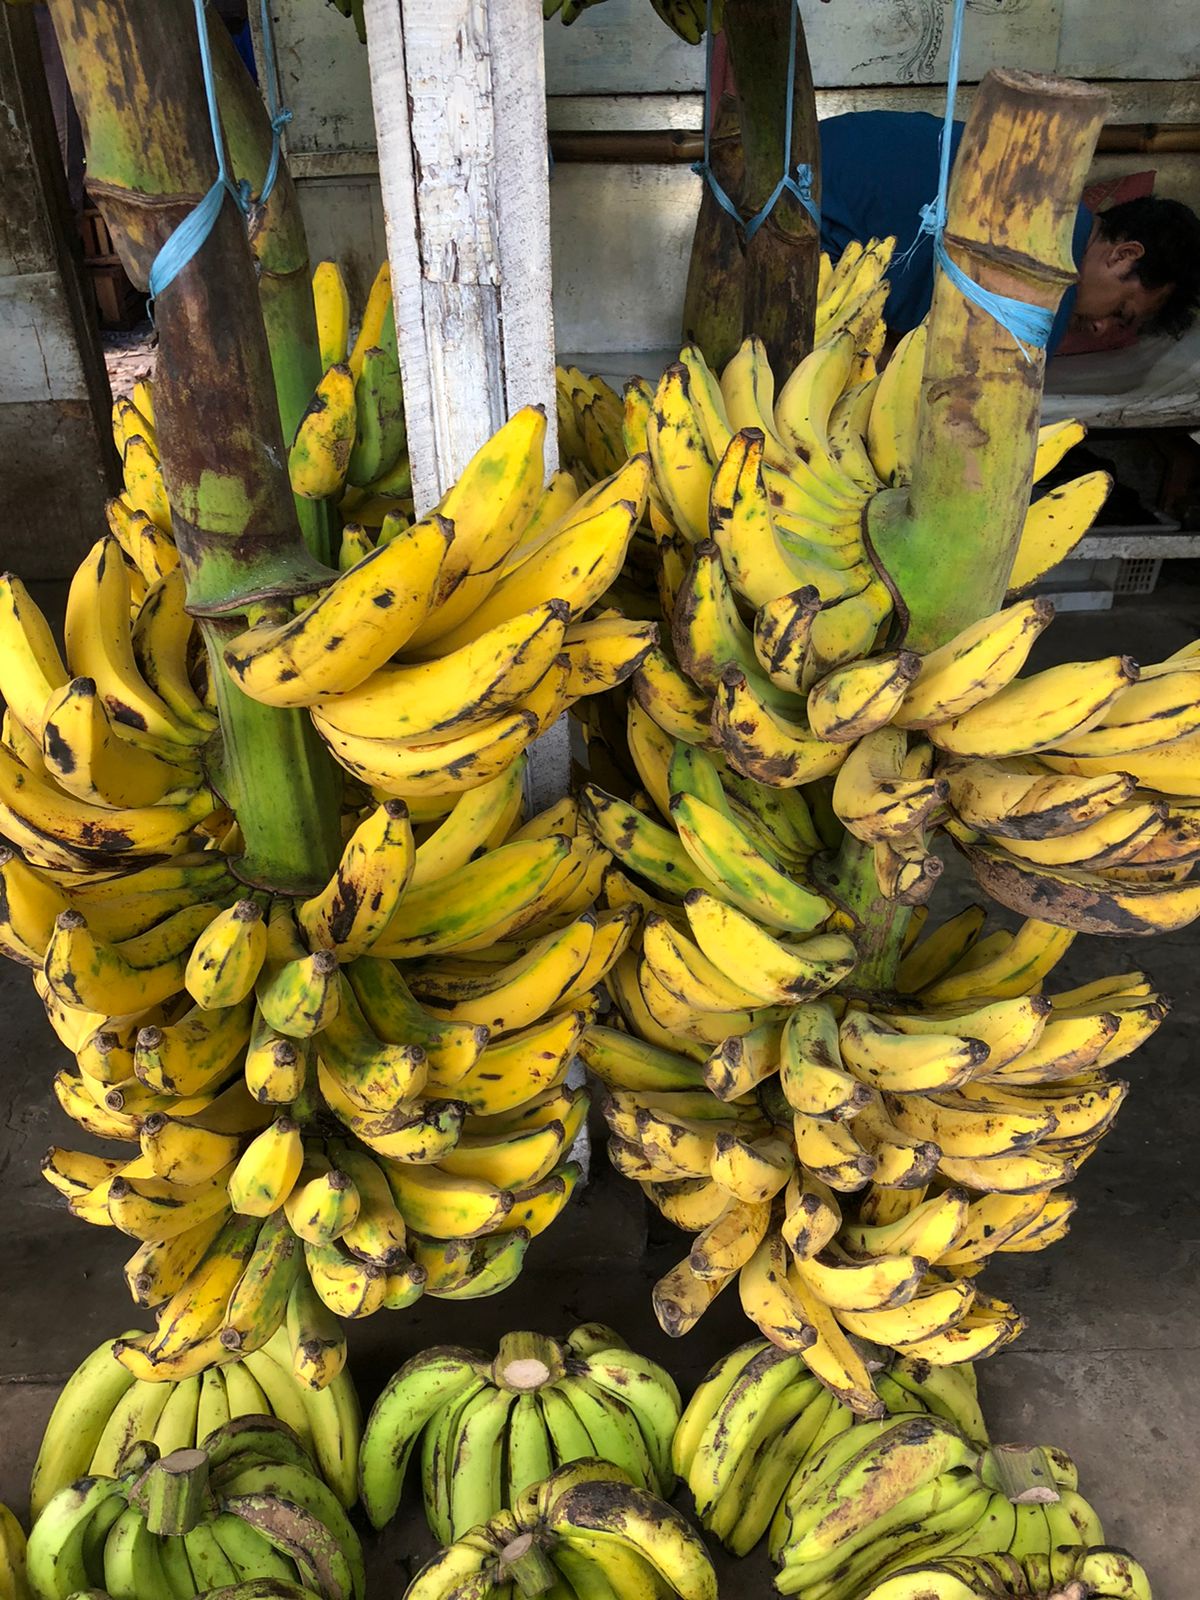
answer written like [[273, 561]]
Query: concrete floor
[[1105, 1368]]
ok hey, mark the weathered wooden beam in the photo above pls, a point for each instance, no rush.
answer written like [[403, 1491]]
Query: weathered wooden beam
[[55, 438], [460, 115]]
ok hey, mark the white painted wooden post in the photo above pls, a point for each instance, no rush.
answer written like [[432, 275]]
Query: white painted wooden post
[[460, 116]]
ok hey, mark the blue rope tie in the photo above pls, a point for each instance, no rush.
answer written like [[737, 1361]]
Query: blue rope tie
[[797, 183], [195, 228], [1029, 325]]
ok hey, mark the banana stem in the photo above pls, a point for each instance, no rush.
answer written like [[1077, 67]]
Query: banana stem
[[526, 1361], [879, 924], [1021, 1473], [173, 1493], [149, 157], [275, 774], [948, 543], [529, 1568], [783, 257]]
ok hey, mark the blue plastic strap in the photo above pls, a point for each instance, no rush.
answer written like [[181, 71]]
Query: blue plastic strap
[[195, 228], [798, 183], [280, 114], [1029, 325]]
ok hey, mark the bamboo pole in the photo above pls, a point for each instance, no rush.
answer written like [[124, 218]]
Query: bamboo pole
[[948, 542], [134, 69]]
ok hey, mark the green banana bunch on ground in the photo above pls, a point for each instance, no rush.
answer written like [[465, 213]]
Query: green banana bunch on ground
[[103, 1411], [851, 1162], [587, 1529], [249, 1505], [13, 1584], [488, 1431], [253, 1589], [885, 1495], [759, 1417], [1102, 1573]]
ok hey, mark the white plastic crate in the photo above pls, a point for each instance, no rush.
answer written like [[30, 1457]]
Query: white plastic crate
[[1137, 575]]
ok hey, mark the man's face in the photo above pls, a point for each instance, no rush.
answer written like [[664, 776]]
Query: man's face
[[1111, 297]]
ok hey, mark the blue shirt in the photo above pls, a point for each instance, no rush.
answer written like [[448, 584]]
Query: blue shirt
[[878, 168]]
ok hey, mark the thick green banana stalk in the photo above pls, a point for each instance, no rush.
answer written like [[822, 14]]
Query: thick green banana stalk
[[149, 155], [980, 403], [980, 398]]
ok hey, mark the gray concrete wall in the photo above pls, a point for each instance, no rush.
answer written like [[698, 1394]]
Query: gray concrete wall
[[621, 235]]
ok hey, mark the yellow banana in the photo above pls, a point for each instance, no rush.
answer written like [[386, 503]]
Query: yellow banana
[[489, 506], [86, 971], [225, 960], [424, 701], [352, 629], [1054, 525], [100, 647], [331, 301], [352, 911], [975, 665], [162, 640], [860, 697], [884, 1058], [679, 451], [1021, 800], [892, 427], [575, 566], [320, 452], [762, 744]]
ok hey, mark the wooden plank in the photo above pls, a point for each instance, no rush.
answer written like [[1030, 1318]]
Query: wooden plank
[[463, 175], [522, 188], [57, 464]]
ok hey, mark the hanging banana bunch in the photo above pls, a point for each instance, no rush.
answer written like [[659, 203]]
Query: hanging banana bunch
[[849, 1148], [341, 1102]]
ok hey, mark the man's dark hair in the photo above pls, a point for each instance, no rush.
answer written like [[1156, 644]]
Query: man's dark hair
[[1169, 233]]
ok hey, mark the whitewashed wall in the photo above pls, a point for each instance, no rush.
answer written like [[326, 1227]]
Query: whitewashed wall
[[621, 234]]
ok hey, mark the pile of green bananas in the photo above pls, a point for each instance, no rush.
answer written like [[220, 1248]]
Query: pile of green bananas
[[342, 1102], [1069, 1573], [103, 1410], [853, 1159], [489, 1430], [13, 1585], [884, 1496], [758, 1418], [586, 1530], [252, 1589], [249, 1505]]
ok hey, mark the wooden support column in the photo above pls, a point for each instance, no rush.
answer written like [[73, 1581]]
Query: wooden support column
[[460, 116], [58, 463]]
